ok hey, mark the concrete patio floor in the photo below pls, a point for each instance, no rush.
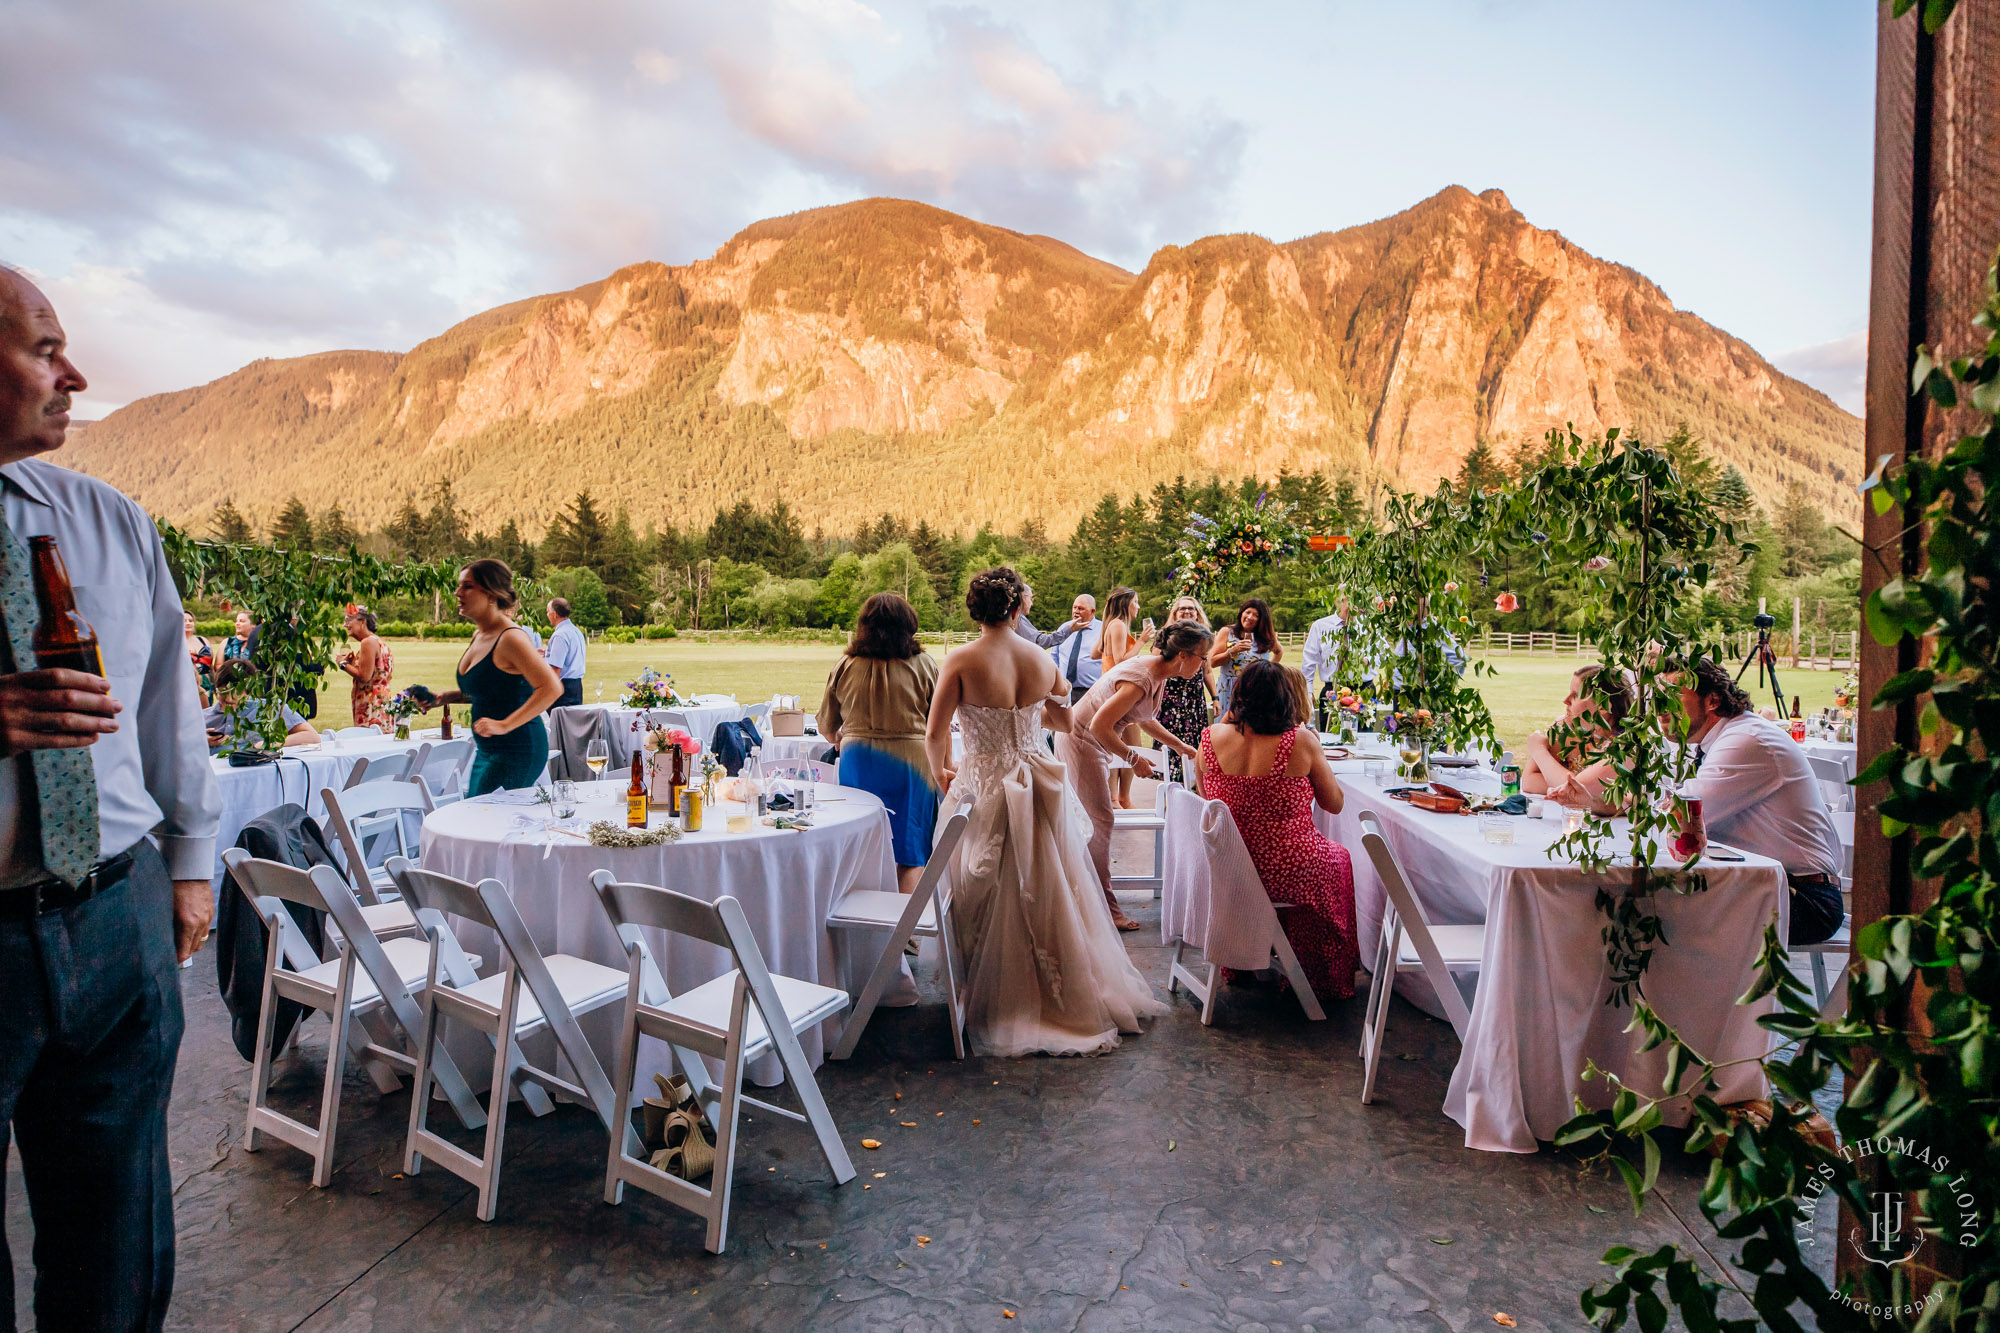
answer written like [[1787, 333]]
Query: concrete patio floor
[[1196, 1178]]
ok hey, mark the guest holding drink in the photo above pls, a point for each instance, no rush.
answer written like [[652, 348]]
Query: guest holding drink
[[1118, 644], [1128, 694], [201, 653], [1184, 701], [238, 645], [878, 702], [1249, 638], [372, 668], [1267, 767], [1566, 766], [507, 682]]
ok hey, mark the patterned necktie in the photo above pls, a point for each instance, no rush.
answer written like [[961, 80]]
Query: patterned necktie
[[1075, 651], [65, 780]]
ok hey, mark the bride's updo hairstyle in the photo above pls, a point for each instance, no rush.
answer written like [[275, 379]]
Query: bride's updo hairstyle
[[994, 595], [1182, 636]]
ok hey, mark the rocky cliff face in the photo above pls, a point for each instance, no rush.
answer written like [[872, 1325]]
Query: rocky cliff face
[[888, 355]]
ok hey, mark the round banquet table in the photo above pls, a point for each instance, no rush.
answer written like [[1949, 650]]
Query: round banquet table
[[786, 882], [298, 775]]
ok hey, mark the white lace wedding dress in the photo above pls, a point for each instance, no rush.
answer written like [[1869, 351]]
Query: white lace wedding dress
[[1045, 968]]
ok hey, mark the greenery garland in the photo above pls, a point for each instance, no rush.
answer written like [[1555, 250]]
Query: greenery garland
[[1262, 533]]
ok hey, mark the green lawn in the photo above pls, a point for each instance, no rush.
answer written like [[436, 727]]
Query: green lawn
[[1525, 692]]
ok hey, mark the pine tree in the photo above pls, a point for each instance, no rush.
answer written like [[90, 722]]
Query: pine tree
[[576, 538], [1800, 531], [1480, 471], [333, 532], [408, 536], [444, 526], [230, 526], [1732, 494], [293, 528], [516, 550], [1690, 455]]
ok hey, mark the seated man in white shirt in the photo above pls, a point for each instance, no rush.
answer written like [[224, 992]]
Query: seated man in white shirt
[[1758, 793], [231, 684]]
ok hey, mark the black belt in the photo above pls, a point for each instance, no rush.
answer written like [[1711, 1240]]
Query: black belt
[[53, 895], [1817, 879]]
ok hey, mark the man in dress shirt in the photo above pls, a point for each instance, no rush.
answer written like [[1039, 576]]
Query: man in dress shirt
[[1070, 646], [1321, 639], [95, 915], [565, 653], [1758, 793]]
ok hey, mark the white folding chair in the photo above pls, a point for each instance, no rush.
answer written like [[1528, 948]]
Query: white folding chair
[[923, 912], [760, 716], [443, 769], [1843, 825], [558, 986], [373, 768], [369, 824], [1840, 946], [370, 982], [1832, 775], [1250, 899], [738, 1017], [800, 770], [1410, 943], [1152, 821]]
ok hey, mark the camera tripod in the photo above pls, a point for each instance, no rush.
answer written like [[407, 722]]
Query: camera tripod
[[1766, 659]]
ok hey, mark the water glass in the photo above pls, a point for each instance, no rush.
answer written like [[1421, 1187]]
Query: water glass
[[1497, 829], [1572, 819], [1377, 771], [565, 802]]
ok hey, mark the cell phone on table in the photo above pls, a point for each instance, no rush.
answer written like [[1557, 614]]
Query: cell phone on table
[[1715, 853]]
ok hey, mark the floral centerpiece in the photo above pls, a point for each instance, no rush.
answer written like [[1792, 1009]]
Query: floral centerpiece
[[652, 689], [663, 744], [1245, 534], [1411, 732], [402, 708]]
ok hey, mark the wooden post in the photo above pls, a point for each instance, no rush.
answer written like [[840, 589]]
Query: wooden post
[[1795, 633], [1936, 221]]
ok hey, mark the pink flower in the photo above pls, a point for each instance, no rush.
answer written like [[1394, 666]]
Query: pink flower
[[1451, 587], [679, 736], [1595, 563], [1380, 605], [1506, 601]]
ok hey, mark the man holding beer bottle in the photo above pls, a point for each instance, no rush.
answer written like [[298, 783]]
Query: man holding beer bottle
[[107, 839]]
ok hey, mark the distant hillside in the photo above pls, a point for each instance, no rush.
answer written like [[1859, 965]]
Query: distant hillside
[[889, 356]]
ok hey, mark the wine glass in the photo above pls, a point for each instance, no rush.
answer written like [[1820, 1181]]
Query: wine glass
[[597, 754], [600, 693]]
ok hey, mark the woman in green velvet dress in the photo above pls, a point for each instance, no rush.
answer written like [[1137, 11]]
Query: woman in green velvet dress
[[507, 682]]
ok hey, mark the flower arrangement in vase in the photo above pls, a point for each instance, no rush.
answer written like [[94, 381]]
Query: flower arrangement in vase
[[401, 709], [653, 689], [670, 748]]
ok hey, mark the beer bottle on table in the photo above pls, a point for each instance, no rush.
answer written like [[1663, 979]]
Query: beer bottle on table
[[635, 794], [444, 728], [1798, 721], [63, 638]]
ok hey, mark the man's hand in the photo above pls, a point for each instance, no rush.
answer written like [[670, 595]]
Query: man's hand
[[54, 710], [1082, 622], [194, 908]]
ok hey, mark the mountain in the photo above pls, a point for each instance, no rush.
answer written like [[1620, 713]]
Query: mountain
[[886, 356]]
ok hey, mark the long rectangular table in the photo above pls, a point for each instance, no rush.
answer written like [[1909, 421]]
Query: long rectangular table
[[1538, 1011]]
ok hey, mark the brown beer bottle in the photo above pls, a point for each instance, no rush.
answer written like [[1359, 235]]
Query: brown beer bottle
[[62, 637], [444, 730], [635, 795]]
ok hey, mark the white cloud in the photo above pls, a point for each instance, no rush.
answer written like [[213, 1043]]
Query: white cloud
[[222, 179], [1838, 369]]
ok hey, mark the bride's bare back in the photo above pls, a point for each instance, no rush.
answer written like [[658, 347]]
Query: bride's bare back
[[999, 669]]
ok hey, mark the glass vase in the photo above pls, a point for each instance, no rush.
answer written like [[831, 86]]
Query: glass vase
[[402, 729]]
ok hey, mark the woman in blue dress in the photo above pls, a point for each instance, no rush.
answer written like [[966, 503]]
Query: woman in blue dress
[[878, 702], [507, 682]]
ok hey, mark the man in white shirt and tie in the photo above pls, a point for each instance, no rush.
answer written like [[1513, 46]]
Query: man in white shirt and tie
[[1758, 794], [565, 653], [108, 813], [1322, 639]]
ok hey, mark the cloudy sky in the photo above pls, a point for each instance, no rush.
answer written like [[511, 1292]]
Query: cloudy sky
[[203, 183]]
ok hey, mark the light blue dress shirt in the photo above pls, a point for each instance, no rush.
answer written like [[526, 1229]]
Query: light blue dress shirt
[[566, 650], [153, 774]]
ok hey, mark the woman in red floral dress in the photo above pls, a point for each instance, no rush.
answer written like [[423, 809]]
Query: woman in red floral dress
[[372, 668], [1269, 770]]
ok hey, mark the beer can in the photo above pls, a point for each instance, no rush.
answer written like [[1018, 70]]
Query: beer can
[[691, 804]]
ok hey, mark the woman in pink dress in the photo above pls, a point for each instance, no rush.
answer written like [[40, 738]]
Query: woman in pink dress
[[1126, 695], [373, 670], [1269, 770]]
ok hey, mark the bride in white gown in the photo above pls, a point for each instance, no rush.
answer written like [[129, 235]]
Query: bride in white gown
[[1045, 968]]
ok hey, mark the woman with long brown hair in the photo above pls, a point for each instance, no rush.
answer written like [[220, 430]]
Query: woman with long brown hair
[[1251, 637], [1117, 644], [507, 682], [877, 704]]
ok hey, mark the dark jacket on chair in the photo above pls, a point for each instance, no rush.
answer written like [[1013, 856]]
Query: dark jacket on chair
[[286, 834]]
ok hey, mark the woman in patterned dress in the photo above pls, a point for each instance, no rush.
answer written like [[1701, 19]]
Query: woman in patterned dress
[[1184, 702], [372, 669], [1269, 770]]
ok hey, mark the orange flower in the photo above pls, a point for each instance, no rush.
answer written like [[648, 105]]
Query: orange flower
[[1506, 601]]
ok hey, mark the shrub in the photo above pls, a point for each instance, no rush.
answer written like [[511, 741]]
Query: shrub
[[659, 632], [396, 629], [215, 629], [621, 634], [455, 630]]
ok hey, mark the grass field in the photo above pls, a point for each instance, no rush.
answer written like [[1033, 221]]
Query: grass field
[[1524, 694]]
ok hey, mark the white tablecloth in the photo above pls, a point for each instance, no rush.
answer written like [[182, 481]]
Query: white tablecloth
[[795, 747], [571, 729], [1841, 751], [1538, 1011], [786, 882], [299, 776]]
